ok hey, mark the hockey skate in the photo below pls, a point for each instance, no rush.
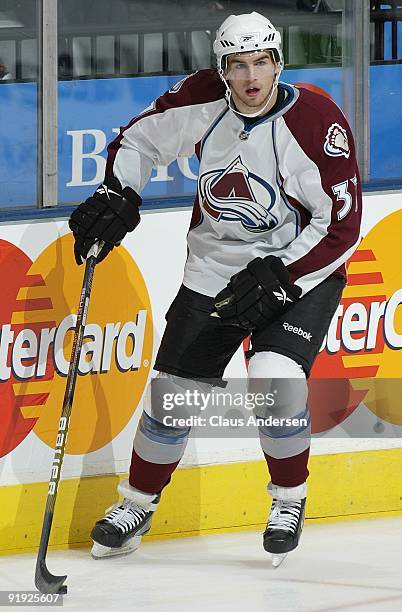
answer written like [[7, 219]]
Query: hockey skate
[[121, 530], [285, 522]]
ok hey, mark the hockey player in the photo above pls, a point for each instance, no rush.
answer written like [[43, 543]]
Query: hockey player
[[276, 216]]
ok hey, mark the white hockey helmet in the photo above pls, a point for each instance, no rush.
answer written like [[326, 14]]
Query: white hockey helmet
[[246, 33]]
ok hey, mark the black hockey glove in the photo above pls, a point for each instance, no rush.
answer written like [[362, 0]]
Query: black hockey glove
[[256, 294], [108, 215]]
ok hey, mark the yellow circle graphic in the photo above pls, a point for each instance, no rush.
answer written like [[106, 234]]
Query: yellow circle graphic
[[376, 281], [117, 350]]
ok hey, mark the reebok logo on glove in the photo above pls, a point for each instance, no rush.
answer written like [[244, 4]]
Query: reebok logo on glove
[[282, 296], [107, 216], [103, 189], [297, 330], [257, 294]]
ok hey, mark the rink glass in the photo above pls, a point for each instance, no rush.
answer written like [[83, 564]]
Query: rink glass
[[113, 59]]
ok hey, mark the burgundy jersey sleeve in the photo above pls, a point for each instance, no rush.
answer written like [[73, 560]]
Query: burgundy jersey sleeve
[[169, 128], [320, 174]]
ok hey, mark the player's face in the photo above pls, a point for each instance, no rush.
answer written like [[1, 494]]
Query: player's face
[[251, 76]]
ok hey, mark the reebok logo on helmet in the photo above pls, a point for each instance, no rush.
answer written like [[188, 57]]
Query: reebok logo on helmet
[[249, 38]]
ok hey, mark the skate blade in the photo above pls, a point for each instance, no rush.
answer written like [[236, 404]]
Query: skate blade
[[99, 551], [278, 559]]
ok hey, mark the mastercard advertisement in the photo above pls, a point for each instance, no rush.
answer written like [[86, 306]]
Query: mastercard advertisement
[[38, 313], [37, 319], [362, 349]]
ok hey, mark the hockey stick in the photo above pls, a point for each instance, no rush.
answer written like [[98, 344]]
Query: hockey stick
[[45, 581]]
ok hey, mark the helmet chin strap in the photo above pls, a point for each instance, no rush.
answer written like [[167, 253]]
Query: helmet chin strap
[[228, 96]]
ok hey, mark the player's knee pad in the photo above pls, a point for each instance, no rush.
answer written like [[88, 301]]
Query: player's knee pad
[[280, 383], [270, 364], [175, 397], [158, 439], [161, 436], [283, 418]]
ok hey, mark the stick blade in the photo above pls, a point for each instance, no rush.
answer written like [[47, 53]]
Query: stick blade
[[48, 583]]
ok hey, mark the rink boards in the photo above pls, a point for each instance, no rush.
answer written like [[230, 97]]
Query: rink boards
[[221, 483]]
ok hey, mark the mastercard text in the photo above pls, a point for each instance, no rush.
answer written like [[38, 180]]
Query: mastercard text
[[26, 354]]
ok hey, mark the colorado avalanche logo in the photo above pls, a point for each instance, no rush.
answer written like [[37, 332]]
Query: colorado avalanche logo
[[336, 141], [228, 195]]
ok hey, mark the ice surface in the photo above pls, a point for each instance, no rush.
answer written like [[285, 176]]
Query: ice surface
[[348, 565]]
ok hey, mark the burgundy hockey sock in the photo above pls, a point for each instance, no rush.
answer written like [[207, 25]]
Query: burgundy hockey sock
[[290, 471], [149, 477]]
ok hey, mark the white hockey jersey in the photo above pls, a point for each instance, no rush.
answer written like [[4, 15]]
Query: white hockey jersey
[[287, 184]]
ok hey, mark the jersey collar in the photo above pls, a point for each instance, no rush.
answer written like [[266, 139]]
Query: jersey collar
[[291, 96]]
